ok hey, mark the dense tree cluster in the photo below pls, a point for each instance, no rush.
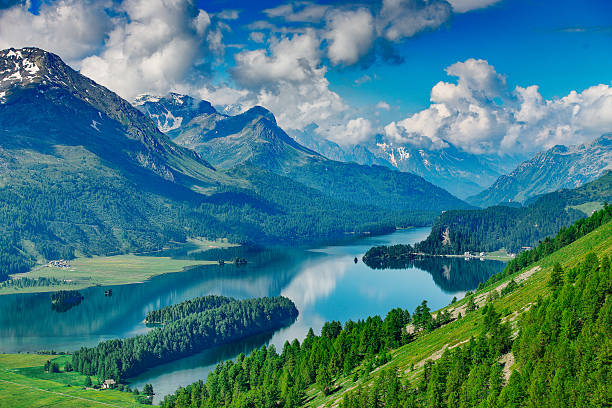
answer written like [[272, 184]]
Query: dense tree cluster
[[30, 282], [181, 310], [564, 237], [493, 228], [96, 212], [118, 359], [268, 379], [389, 256], [562, 355]]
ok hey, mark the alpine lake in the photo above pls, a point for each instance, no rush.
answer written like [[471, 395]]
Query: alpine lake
[[325, 283]]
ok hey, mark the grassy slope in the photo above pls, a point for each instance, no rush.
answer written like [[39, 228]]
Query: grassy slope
[[431, 344], [112, 270], [23, 383]]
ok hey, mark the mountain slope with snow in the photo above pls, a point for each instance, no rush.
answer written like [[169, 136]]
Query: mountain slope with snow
[[557, 168], [254, 139]]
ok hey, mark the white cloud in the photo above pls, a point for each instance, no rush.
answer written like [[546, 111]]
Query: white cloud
[[399, 19], [153, 46], [463, 6], [354, 131], [228, 14], [257, 36], [383, 105], [481, 115], [350, 35], [288, 79], [223, 95], [72, 29], [292, 59], [300, 11]]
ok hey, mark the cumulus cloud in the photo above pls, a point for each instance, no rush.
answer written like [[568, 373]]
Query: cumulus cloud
[[153, 46], [463, 6], [354, 131], [383, 105], [289, 59], [70, 28], [400, 19], [350, 36], [288, 79], [480, 114]]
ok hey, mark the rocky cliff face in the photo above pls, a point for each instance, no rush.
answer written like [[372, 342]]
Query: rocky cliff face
[[556, 168]]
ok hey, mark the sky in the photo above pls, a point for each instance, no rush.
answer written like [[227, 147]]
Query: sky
[[488, 76]]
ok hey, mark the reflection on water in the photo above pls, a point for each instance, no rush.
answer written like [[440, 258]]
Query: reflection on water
[[325, 284]]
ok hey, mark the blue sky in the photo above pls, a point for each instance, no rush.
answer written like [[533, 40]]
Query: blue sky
[[421, 72], [561, 45]]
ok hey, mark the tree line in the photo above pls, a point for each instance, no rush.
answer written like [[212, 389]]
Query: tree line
[[561, 355], [123, 358], [266, 378], [184, 309], [493, 228], [564, 237]]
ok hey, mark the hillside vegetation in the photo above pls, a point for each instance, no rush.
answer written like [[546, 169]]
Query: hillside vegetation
[[458, 231], [479, 351], [83, 172]]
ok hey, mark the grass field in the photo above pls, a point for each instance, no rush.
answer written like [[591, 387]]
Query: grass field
[[25, 384], [588, 208], [432, 344], [112, 270]]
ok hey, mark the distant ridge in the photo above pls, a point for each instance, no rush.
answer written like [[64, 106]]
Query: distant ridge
[[251, 142], [556, 168]]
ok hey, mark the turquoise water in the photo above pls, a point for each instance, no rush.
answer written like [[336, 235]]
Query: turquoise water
[[325, 284]]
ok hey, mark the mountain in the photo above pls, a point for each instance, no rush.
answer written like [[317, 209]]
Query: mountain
[[512, 228], [459, 172], [163, 110], [253, 139], [556, 168], [83, 172], [449, 167]]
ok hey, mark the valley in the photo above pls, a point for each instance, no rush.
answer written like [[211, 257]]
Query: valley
[[84, 272], [175, 251]]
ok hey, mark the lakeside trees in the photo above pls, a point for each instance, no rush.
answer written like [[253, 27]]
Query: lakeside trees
[[561, 353], [180, 311], [266, 378], [118, 359]]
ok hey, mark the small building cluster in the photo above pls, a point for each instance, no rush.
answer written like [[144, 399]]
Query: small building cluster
[[108, 384], [61, 263]]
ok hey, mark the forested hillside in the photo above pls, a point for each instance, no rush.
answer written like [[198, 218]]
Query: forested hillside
[[455, 232], [83, 172], [196, 329], [562, 302]]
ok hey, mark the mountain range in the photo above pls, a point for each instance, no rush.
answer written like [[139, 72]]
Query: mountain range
[[83, 172], [461, 173], [557, 168], [253, 139]]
